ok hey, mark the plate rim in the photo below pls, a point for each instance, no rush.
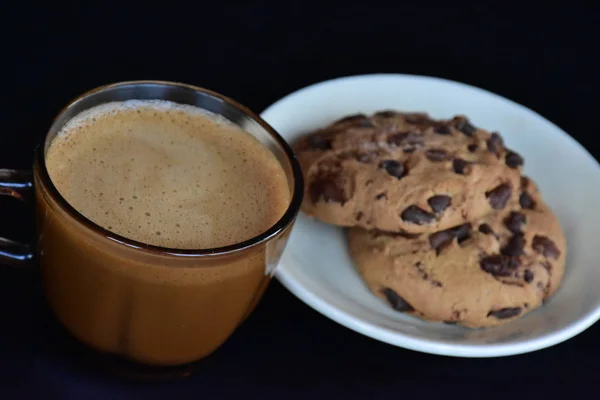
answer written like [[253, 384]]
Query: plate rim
[[386, 335]]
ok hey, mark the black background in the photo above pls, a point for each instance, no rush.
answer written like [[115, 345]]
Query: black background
[[256, 52]]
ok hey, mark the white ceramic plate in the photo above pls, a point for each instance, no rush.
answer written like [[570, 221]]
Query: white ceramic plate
[[316, 266]]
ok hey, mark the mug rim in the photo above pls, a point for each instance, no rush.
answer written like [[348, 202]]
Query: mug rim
[[280, 226]]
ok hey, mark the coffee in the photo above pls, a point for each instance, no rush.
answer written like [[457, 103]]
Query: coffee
[[168, 175]]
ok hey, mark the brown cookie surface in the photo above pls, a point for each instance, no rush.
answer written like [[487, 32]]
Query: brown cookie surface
[[397, 171], [480, 273]]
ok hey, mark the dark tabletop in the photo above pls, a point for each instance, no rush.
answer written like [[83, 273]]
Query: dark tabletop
[[544, 58]]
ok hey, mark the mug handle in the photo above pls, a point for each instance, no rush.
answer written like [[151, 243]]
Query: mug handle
[[18, 184]]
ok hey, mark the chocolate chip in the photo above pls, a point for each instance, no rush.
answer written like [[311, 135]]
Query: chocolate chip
[[317, 142], [421, 270], [381, 196], [515, 246], [393, 167], [528, 276], [401, 233], [418, 118], [514, 221], [505, 313], [472, 147], [443, 130], [439, 203], [459, 165], [498, 197], [397, 302], [398, 139], [360, 119], [436, 155], [386, 114], [542, 287], [486, 229], [526, 201], [499, 264], [441, 239], [462, 232], [417, 215], [359, 216], [547, 266], [409, 141], [513, 160], [495, 144], [545, 246], [328, 189], [463, 125]]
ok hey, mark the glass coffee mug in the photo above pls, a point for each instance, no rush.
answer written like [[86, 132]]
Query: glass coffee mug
[[151, 305]]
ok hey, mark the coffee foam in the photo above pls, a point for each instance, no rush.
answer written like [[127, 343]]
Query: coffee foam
[[167, 174]]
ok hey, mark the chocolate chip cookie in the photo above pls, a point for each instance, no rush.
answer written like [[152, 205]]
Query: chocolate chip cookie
[[405, 172], [480, 273]]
